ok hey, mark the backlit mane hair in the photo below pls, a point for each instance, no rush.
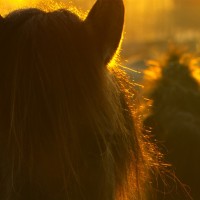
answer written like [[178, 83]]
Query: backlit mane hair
[[68, 123], [172, 85]]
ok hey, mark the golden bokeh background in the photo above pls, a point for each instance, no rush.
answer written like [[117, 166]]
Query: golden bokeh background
[[149, 24]]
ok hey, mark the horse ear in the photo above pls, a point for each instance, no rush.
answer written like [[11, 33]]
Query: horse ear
[[106, 20]]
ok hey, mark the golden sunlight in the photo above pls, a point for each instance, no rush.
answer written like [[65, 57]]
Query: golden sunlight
[[7, 6], [16, 2], [195, 68], [142, 5]]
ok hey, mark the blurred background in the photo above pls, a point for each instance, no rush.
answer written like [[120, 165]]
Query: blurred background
[[150, 25]]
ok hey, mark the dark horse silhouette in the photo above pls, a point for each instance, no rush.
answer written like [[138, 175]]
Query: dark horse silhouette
[[174, 118], [68, 123]]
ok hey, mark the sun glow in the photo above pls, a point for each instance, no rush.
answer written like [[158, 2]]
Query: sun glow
[[7, 6], [15, 2], [195, 68], [155, 4]]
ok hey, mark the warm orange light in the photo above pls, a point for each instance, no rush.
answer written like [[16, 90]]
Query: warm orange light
[[16, 2], [195, 69], [153, 72], [7, 6]]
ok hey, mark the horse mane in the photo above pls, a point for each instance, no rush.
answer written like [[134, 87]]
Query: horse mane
[[174, 116], [68, 114]]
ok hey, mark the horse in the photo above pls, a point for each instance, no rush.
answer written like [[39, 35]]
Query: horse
[[69, 127], [174, 117]]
